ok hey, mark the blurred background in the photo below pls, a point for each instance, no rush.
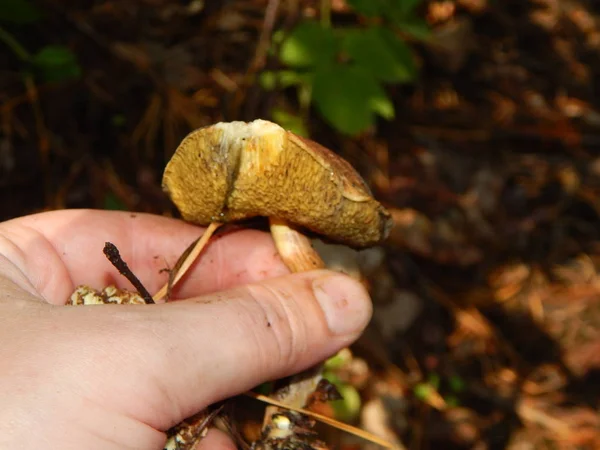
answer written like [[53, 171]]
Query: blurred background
[[475, 122]]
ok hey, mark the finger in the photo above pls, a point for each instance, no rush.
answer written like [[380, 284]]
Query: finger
[[179, 357], [60, 250], [216, 440]]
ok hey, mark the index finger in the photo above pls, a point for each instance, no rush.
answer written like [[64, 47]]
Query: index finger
[[60, 250]]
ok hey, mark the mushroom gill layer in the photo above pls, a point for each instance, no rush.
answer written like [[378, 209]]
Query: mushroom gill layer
[[237, 170]]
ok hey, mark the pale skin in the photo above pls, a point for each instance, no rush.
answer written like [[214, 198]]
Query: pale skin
[[118, 376]]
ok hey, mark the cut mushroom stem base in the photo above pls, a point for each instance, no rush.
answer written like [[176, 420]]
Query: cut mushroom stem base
[[298, 254]]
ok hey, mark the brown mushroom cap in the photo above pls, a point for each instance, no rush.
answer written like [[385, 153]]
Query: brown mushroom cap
[[232, 171]]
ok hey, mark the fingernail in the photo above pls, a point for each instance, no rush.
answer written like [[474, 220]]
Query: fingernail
[[345, 303]]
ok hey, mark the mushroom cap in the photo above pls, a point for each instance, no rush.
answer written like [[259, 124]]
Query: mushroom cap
[[237, 170]]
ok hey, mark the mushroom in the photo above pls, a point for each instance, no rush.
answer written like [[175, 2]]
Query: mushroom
[[233, 171], [237, 170]]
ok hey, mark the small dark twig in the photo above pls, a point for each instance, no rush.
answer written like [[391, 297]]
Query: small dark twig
[[113, 255]]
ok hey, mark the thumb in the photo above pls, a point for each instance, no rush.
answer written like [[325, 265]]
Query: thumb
[[201, 350]]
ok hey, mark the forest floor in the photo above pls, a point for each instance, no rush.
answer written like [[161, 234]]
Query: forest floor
[[486, 332]]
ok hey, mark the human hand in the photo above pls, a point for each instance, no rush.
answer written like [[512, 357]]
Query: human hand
[[118, 376]]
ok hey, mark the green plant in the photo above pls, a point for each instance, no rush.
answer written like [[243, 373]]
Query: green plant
[[348, 407], [49, 63], [450, 389], [343, 71]]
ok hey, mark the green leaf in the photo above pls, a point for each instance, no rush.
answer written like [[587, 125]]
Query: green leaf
[[404, 7], [401, 13], [278, 36], [380, 52], [305, 95], [456, 383], [383, 106], [348, 97], [384, 8], [18, 11], [338, 360], [452, 401], [113, 203], [402, 52], [414, 26], [434, 380], [56, 63], [268, 80], [287, 78], [309, 45], [423, 391], [348, 408], [369, 8], [289, 121]]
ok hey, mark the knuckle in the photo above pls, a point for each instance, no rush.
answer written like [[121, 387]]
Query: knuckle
[[287, 334]]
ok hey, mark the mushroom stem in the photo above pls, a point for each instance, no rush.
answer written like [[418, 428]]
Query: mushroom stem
[[298, 254], [183, 266], [294, 248]]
